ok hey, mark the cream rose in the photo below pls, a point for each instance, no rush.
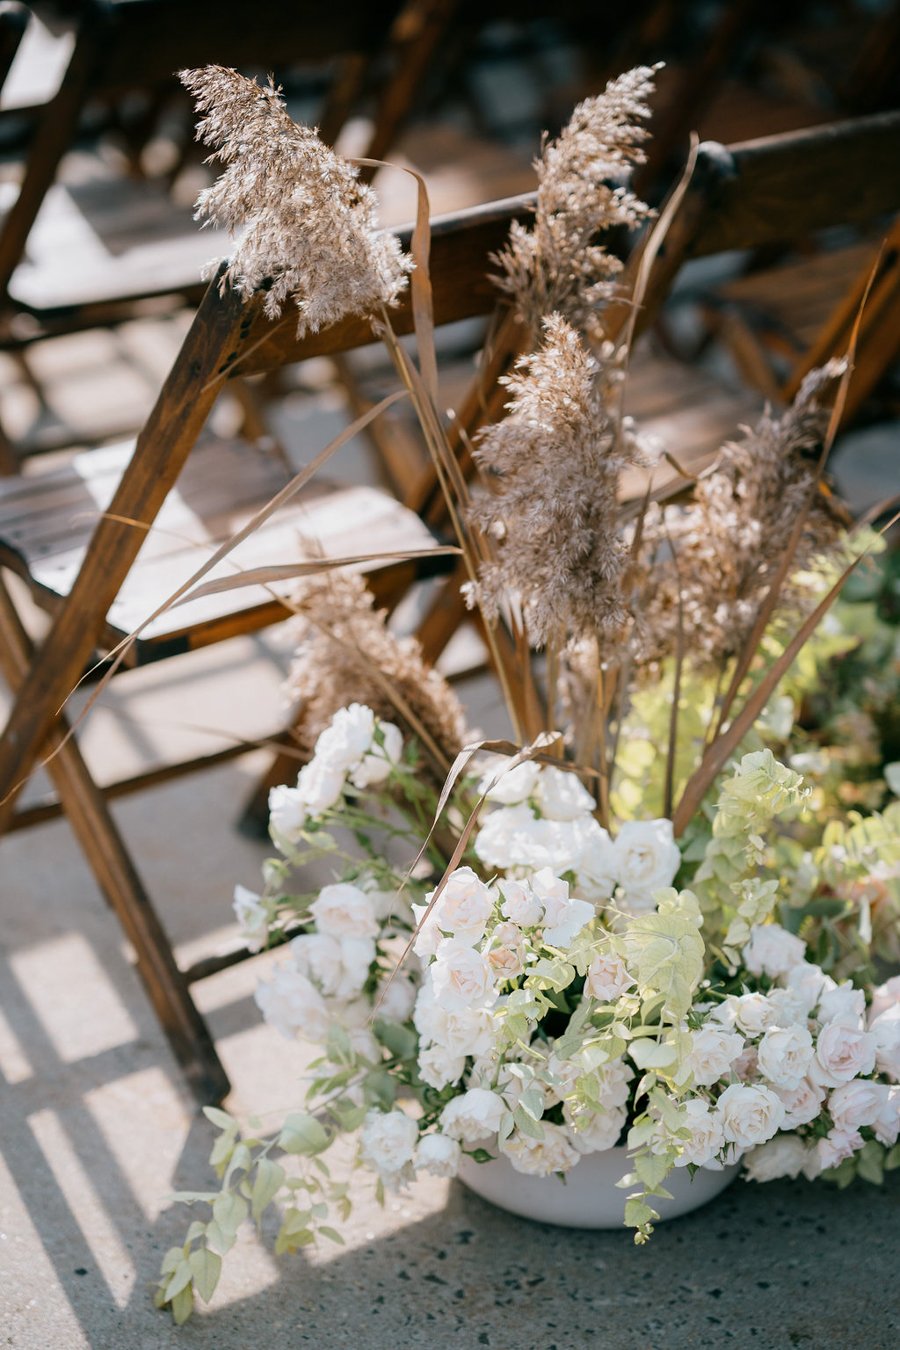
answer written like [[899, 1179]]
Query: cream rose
[[515, 786], [344, 911], [463, 906], [347, 738], [801, 1104], [438, 1154], [607, 978], [293, 1005], [772, 950], [375, 767], [842, 1052], [856, 1103], [288, 813], [541, 1157], [707, 1135], [561, 796], [751, 1114], [388, 1142], [711, 1054], [886, 996], [594, 1131], [785, 1054], [438, 1067], [520, 904], [887, 1126], [844, 1003], [474, 1116], [837, 1146], [339, 966], [507, 954], [886, 1033], [808, 983], [461, 977], [319, 786], [646, 857], [783, 1156]]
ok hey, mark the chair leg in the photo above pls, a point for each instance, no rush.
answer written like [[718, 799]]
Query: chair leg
[[105, 851]]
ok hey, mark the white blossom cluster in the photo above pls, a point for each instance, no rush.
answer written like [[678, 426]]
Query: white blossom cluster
[[799, 1071], [545, 819]]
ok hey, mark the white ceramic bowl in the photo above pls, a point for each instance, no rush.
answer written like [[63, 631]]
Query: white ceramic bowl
[[588, 1198]]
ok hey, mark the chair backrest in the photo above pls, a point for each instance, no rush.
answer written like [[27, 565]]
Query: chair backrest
[[122, 44]]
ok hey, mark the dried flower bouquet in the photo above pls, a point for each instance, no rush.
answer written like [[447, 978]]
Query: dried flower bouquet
[[605, 932]]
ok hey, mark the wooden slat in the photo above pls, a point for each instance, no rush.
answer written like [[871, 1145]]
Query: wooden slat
[[46, 524]]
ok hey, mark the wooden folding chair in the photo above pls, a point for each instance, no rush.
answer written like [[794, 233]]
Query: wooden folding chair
[[93, 255], [91, 579]]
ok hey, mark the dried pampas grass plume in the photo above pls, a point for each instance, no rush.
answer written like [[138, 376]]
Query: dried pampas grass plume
[[346, 653], [730, 539], [558, 266], [307, 225], [552, 469]]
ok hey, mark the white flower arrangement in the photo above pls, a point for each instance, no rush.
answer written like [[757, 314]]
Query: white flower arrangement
[[529, 1022], [596, 944]]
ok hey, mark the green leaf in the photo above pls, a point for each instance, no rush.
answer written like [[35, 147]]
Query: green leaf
[[870, 1163], [229, 1211], [220, 1118], [638, 1212], [400, 1040], [526, 1124], [183, 1305], [302, 1133], [206, 1268], [268, 1181], [181, 1276], [332, 1234], [172, 1260], [218, 1239], [652, 1168]]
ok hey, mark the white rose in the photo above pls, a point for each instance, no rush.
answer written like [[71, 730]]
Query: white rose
[[438, 1154], [339, 966], [463, 906], [541, 1157], [808, 983], [376, 766], [712, 1053], [885, 1031], [843, 1002], [293, 1005], [886, 996], [507, 954], [288, 814], [887, 1126], [253, 916], [438, 1067], [785, 1054], [474, 1116], [753, 1013], [505, 838], [856, 1103], [607, 978], [837, 1146], [783, 1156], [429, 936], [785, 1008], [348, 737], [395, 998], [520, 904], [594, 1131], [801, 1104], [343, 910], [772, 950], [428, 1018], [596, 861], [461, 977], [751, 1114], [388, 1142], [469, 1031], [842, 1053], [561, 796], [319, 786], [746, 1066], [568, 920], [515, 786], [707, 1135], [646, 857]]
